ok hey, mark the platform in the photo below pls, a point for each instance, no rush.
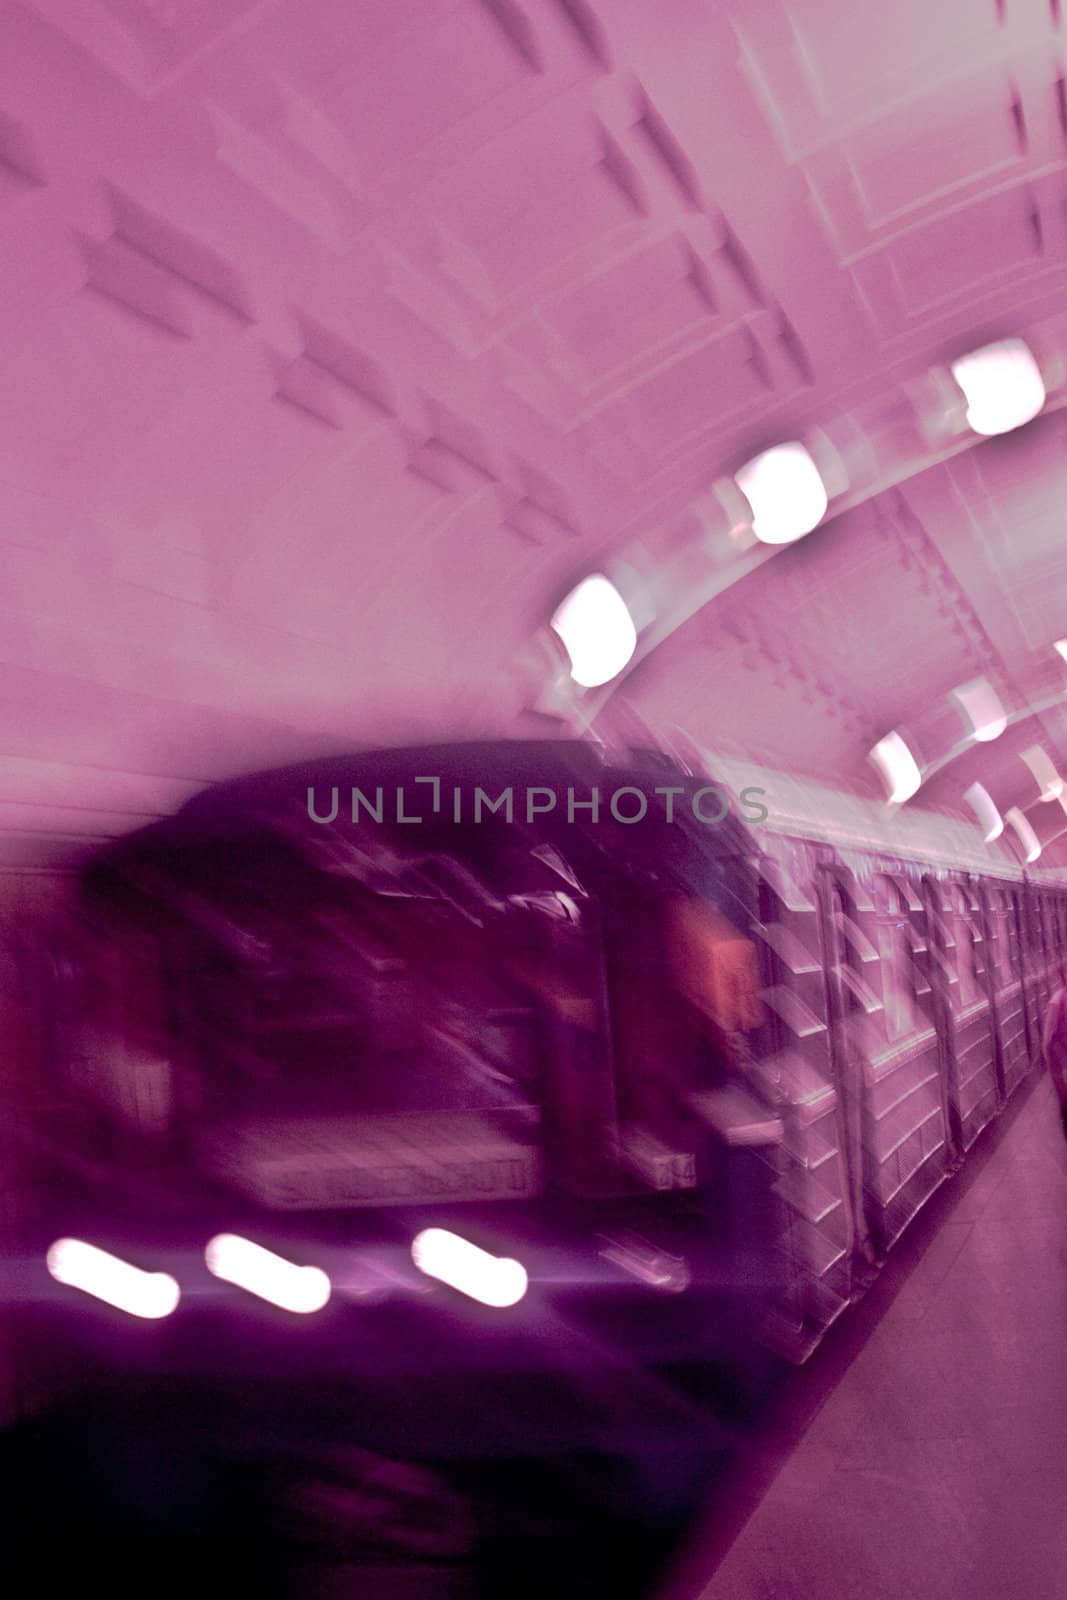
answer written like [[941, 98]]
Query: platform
[[935, 1464]]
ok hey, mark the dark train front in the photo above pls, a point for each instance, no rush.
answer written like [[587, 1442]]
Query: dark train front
[[449, 1151], [419, 1081]]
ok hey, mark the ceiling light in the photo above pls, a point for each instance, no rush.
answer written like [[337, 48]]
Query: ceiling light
[[786, 492], [93, 1271], [1049, 782], [898, 766], [1061, 646], [597, 630], [983, 709], [495, 1281], [1002, 385], [249, 1266], [981, 803], [1028, 839]]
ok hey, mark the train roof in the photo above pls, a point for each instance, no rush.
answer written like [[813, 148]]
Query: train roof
[[231, 808]]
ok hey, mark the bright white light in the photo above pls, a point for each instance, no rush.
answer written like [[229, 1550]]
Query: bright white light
[[597, 630], [93, 1271], [1027, 837], [981, 803], [494, 1280], [1061, 646], [898, 766], [1048, 780], [1002, 386], [786, 493], [249, 1266], [982, 709]]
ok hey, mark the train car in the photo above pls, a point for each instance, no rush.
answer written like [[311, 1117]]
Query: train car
[[477, 1084], [296, 1014], [297, 1002], [906, 969], [552, 1119]]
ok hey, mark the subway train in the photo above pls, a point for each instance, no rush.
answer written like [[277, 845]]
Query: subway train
[[598, 1087]]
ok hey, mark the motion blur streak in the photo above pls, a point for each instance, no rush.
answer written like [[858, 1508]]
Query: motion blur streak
[[141, 1294], [249, 1266], [495, 1281]]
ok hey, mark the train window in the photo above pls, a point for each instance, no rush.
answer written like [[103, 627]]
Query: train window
[[1016, 936], [370, 1016], [384, 1026], [854, 955], [895, 896], [122, 1061], [999, 955], [967, 965], [897, 964], [960, 925], [684, 992]]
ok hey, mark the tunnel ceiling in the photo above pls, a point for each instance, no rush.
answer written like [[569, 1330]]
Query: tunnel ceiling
[[341, 336]]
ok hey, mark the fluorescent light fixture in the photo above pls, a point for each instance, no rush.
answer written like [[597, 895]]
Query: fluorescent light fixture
[[1028, 839], [1049, 783], [898, 766], [1002, 385], [93, 1271], [990, 819], [1061, 646], [262, 1273], [786, 492], [597, 630], [982, 709], [494, 1280]]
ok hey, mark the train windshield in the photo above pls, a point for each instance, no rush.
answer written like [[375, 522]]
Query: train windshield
[[344, 1011], [341, 999]]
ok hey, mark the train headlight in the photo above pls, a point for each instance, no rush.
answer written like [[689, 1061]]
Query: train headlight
[[493, 1280], [106, 1277], [270, 1277]]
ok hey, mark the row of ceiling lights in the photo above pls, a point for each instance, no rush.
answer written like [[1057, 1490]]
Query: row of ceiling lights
[[974, 714], [786, 495]]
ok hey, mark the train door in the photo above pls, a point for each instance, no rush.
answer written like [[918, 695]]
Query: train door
[[1051, 944], [121, 1059], [905, 1134], [1022, 925], [793, 1068], [852, 1004], [941, 977], [1039, 955], [974, 1079], [1006, 981], [1043, 945]]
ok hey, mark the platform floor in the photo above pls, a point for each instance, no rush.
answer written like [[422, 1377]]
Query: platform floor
[[935, 1468]]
